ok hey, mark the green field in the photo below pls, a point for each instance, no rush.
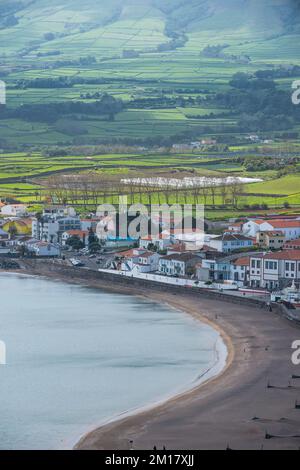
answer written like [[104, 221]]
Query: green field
[[155, 56], [47, 42], [24, 177]]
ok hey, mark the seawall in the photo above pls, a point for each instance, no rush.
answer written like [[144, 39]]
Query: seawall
[[69, 273]]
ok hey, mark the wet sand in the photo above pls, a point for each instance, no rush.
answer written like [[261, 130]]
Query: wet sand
[[236, 409]]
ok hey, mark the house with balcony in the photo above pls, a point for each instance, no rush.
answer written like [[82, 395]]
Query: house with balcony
[[179, 265], [213, 270], [50, 228], [275, 270]]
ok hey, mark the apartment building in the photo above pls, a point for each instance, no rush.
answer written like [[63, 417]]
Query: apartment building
[[178, 265], [275, 270], [273, 240]]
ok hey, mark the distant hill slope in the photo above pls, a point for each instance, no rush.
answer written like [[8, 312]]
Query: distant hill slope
[[105, 28]]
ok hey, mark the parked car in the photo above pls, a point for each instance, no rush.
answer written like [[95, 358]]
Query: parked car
[[76, 263]]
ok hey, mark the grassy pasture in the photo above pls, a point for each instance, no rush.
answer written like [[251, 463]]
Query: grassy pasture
[[272, 192]]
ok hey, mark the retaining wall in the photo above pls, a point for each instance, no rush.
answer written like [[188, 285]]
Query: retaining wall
[[82, 274]]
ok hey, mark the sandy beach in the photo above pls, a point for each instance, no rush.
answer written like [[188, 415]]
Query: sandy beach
[[252, 399]]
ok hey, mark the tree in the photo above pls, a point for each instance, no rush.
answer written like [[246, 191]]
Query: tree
[[75, 243], [93, 240]]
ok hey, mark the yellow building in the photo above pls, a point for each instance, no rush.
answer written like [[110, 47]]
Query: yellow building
[[18, 226]]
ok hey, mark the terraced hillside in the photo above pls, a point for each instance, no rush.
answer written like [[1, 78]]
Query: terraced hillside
[[165, 59]]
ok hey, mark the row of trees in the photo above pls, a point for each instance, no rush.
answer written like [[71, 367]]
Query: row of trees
[[50, 112], [99, 188]]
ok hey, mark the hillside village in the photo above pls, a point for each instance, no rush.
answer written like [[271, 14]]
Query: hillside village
[[251, 257]]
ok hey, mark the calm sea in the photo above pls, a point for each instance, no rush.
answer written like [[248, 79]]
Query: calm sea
[[77, 357]]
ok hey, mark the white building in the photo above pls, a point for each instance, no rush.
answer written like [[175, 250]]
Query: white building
[[274, 270], [160, 242], [251, 227], [14, 210], [51, 229], [44, 249], [146, 262], [213, 270], [289, 228], [240, 270], [56, 212], [178, 265], [45, 230], [139, 260], [229, 242]]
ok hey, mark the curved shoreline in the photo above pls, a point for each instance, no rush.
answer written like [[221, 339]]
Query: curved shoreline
[[236, 408], [192, 388], [223, 356], [239, 392]]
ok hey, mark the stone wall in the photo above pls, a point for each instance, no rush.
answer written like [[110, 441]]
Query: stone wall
[[108, 279]]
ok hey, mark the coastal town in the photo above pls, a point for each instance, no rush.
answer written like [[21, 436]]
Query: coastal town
[[257, 257]]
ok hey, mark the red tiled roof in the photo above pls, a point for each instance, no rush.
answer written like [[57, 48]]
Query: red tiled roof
[[272, 233], [259, 221], [232, 236], [284, 223], [293, 255], [147, 254], [136, 252], [293, 242], [244, 261], [127, 254], [78, 233]]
